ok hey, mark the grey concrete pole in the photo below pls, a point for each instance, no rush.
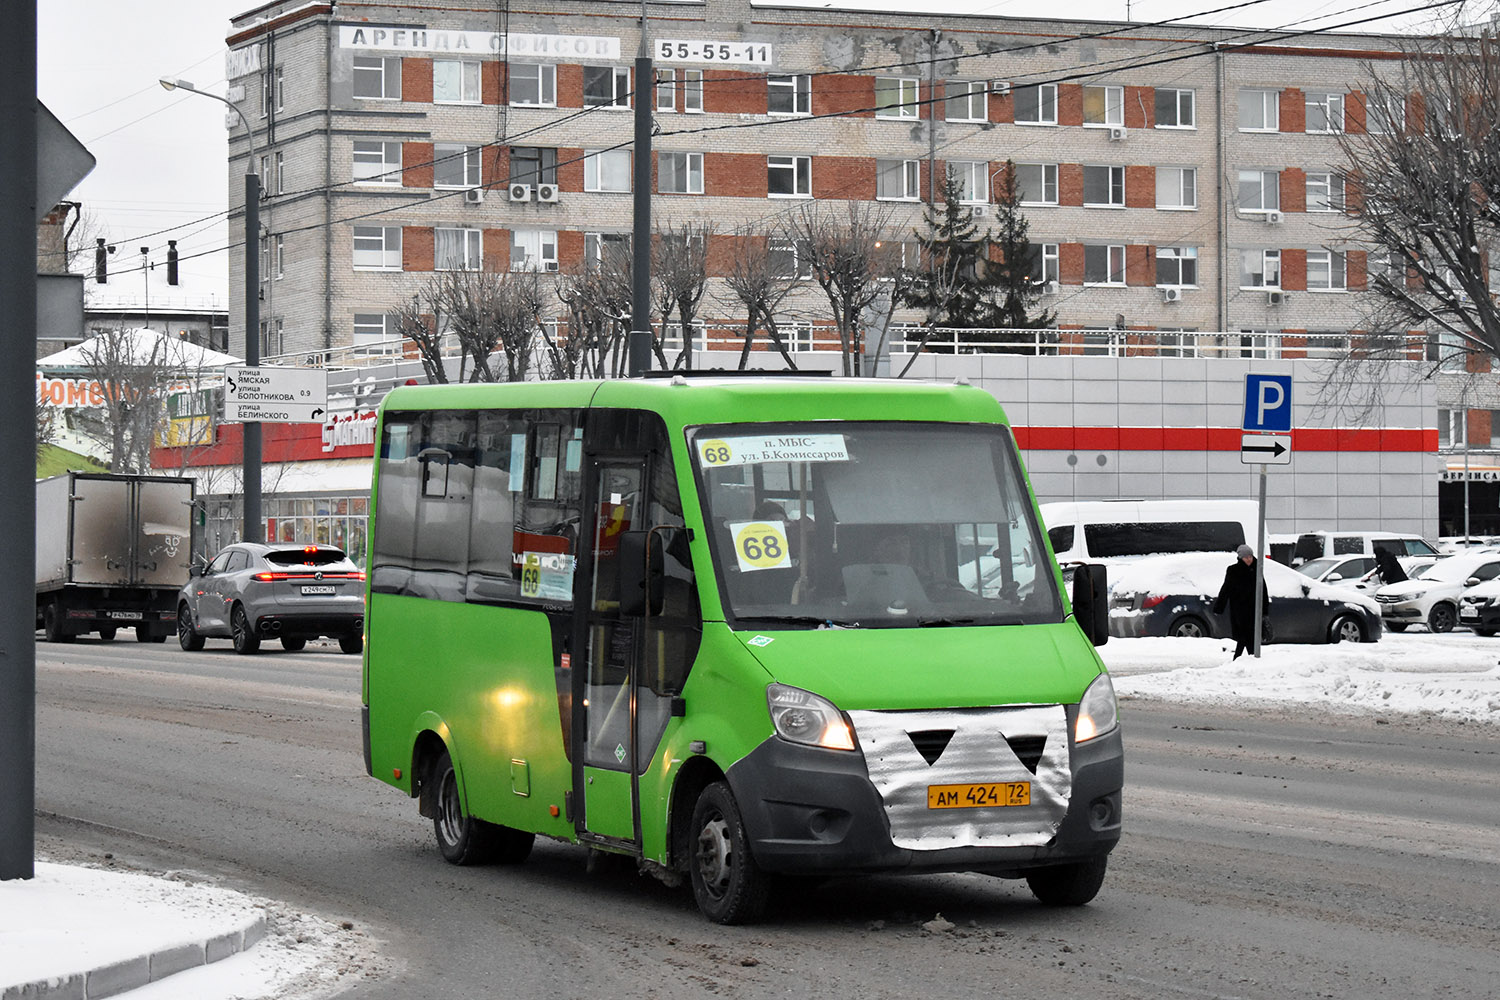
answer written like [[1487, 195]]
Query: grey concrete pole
[[18, 171], [250, 485]]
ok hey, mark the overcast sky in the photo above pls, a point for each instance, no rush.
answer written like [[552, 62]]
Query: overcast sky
[[162, 156]]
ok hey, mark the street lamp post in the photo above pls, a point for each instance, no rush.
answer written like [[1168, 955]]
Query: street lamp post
[[251, 446]]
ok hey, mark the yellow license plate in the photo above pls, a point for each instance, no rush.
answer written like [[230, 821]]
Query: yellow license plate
[[992, 793]]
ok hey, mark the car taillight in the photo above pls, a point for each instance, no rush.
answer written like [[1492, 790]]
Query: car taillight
[[268, 577], [1152, 600]]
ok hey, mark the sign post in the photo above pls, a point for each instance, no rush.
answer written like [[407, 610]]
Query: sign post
[[1267, 441]]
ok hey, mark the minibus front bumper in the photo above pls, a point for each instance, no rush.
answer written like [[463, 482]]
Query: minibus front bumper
[[815, 811]]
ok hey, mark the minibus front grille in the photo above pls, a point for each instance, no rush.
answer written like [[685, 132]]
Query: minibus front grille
[[931, 743], [1028, 749]]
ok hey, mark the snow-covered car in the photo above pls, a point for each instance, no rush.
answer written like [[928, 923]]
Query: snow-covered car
[[1479, 607], [1370, 581], [1337, 569], [1432, 598], [1174, 596]]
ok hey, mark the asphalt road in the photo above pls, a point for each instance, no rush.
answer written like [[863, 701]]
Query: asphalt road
[[1266, 855]]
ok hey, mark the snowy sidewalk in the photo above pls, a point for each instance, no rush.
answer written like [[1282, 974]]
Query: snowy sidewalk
[[74, 933]]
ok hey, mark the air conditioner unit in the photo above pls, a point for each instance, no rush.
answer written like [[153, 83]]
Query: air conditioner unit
[[1116, 133], [1001, 87], [546, 192], [1273, 217], [520, 192], [1171, 295], [1275, 298], [474, 196], [1050, 288], [978, 211]]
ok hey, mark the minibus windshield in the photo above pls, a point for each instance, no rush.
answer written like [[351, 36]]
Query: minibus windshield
[[876, 525]]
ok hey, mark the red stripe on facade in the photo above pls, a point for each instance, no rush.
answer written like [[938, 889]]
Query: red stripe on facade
[[1219, 439]]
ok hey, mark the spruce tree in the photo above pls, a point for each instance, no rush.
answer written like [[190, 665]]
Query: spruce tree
[[1015, 269], [951, 281]]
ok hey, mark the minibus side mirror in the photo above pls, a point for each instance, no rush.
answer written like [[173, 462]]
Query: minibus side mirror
[[640, 573], [1091, 601]]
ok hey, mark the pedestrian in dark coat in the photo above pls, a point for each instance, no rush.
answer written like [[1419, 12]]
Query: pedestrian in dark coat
[[1238, 594], [1390, 569]]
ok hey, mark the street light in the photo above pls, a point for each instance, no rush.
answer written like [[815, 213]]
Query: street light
[[251, 444]]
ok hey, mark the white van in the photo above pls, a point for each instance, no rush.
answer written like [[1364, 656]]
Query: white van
[[1326, 544], [1089, 530]]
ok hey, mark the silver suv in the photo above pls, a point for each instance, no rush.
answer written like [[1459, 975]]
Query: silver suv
[[293, 593]]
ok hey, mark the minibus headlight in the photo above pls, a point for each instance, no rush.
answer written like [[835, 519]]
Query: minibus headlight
[[1098, 712], [803, 717]]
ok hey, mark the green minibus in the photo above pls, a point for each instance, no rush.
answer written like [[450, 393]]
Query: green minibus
[[739, 629]]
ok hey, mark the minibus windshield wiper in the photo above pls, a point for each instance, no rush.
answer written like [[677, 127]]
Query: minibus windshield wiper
[[816, 621]]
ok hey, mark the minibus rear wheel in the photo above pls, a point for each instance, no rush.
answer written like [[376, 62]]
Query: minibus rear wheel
[[727, 883], [1068, 885], [464, 840]]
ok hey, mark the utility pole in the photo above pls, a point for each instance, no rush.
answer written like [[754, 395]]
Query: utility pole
[[639, 348], [18, 174]]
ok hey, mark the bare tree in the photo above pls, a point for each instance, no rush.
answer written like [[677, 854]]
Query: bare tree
[[844, 254], [597, 297], [1424, 177], [486, 312], [421, 326], [679, 278], [763, 274], [132, 366]]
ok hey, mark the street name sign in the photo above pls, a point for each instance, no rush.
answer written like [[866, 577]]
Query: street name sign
[[275, 395], [1266, 449]]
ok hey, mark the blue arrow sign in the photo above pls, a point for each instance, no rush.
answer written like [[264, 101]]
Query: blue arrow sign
[[1268, 403]]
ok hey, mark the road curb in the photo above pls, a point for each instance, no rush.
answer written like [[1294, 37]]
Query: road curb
[[133, 973]]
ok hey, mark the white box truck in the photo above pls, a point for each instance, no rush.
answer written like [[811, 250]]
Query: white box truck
[[111, 553]]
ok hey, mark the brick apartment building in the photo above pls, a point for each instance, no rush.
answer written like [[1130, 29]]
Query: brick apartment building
[[1181, 183]]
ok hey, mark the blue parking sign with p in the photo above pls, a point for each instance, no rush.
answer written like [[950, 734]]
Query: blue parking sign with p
[[1268, 403]]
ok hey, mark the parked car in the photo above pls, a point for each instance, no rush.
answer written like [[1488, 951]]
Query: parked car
[[1325, 544], [1414, 566], [1174, 596], [293, 593], [1338, 569], [1479, 607], [1432, 598]]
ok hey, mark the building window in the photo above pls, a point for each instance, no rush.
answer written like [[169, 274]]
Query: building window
[[457, 249], [1325, 271], [606, 170], [1103, 105], [1325, 113], [370, 334], [455, 81], [692, 90], [613, 249], [278, 258], [455, 166], [1036, 105], [1260, 191], [278, 87], [377, 78], [679, 173], [898, 180], [967, 101], [1260, 268], [1044, 264], [789, 95], [265, 93], [1104, 187], [377, 248], [1176, 188], [533, 164], [1175, 108], [1325, 192], [533, 85], [666, 90], [1177, 267], [377, 162], [1452, 428], [533, 250], [1385, 114], [1036, 183], [1260, 110], [790, 258], [896, 97], [789, 176], [280, 175], [1104, 265], [973, 180], [606, 87]]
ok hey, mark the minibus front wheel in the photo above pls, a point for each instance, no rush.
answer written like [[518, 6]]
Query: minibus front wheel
[[727, 883], [464, 840], [1068, 885]]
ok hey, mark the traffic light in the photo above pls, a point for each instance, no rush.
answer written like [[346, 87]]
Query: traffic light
[[101, 261], [171, 262]]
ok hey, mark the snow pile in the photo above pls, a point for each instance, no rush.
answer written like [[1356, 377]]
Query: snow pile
[[1456, 675]]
